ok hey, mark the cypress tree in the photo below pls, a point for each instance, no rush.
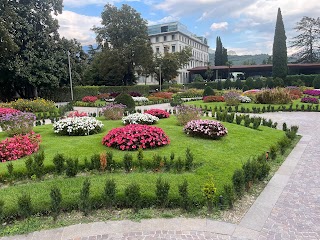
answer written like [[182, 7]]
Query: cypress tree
[[218, 53], [279, 60]]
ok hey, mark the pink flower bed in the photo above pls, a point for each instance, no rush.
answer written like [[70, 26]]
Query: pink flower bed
[[310, 100], [4, 111], [135, 136], [158, 113], [205, 128], [19, 146], [77, 114], [314, 92], [90, 99]]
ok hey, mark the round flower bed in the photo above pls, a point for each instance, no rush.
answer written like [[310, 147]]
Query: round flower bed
[[135, 136], [113, 111], [140, 118], [205, 128], [158, 113], [77, 126]]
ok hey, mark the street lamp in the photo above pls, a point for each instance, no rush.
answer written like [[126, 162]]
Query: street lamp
[[70, 76], [160, 77]]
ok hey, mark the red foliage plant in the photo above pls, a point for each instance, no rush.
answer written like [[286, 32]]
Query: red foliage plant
[[158, 113], [19, 146], [213, 99], [135, 136], [163, 95], [90, 99]]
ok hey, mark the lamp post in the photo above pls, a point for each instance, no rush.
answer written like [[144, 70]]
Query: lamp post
[[70, 76], [160, 77]]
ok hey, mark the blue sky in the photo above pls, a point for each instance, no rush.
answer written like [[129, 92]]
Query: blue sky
[[245, 26]]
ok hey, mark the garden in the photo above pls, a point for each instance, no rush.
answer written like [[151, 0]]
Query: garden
[[181, 158]]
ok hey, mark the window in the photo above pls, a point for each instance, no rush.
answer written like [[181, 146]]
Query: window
[[164, 29], [157, 50], [164, 38], [157, 39], [173, 48], [173, 37]]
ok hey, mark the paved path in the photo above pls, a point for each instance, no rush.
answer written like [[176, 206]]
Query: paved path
[[288, 208]]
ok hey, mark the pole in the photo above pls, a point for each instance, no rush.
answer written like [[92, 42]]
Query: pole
[[70, 76], [160, 77]]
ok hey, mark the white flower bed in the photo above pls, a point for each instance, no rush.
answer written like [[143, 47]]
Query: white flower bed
[[140, 118], [77, 126], [140, 99], [244, 99]]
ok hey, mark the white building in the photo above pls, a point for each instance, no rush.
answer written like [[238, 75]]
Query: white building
[[173, 37]]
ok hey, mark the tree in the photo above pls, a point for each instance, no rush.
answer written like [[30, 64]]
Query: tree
[[124, 31], [221, 54], [280, 59], [308, 41], [209, 73]]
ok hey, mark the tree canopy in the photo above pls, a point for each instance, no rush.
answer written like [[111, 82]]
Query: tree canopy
[[308, 40], [221, 54]]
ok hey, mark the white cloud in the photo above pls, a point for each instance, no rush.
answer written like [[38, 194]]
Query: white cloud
[[82, 3], [73, 25], [219, 26]]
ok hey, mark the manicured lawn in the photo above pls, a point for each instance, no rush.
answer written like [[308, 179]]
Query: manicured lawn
[[218, 158]]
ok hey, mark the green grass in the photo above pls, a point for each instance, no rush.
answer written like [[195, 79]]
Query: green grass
[[217, 157]]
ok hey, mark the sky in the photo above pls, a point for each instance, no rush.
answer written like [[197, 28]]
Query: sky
[[244, 26]]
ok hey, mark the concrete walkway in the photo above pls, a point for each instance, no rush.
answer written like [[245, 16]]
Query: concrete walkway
[[288, 208]]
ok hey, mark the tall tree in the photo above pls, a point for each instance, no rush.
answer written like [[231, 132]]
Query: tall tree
[[280, 59], [308, 40], [123, 30], [221, 54]]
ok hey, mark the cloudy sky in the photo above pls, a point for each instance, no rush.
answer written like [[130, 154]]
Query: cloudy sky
[[245, 26]]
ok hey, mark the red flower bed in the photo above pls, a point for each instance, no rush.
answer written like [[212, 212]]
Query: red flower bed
[[77, 114], [4, 111], [163, 95], [19, 146], [135, 136], [158, 113], [90, 99], [213, 99]]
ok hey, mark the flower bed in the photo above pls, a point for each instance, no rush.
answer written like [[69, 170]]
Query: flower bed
[[77, 126], [140, 118], [19, 146], [135, 136], [17, 122], [314, 92], [140, 99], [89, 99], [77, 114], [244, 99], [162, 95], [36, 105], [159, 113], [113, 111], [4, 111], [232, 98], [205, 128], [251, 91], [187, 113], [213, 99], [310, 100]]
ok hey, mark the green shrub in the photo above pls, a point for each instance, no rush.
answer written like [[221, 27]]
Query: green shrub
[[1, 209], [273, 152], [110, 162], [208, 91], [95, 162], [189, 160], [156, 162], [162, 192], [263, 170], [56, 199], [229, 196], [283, 144], [239, 119], [84, 199], [284, 126], [10, 169], [292, 132], [133, 196], [256, 122], [72, 167], [316, 82], [109, 194], [24, 205], [38, 166], [29, 166], [58, 161], [140, 158], [127, 162], [179, 165], [208, 191], [127, 100], [184, 195], [238, 180]]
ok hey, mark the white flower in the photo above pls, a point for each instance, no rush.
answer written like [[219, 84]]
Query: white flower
[[140, 99], [140, 118]]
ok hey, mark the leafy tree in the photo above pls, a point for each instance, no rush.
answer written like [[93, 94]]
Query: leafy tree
[[308, 41], [280, 59], [221, 55], [238, 84], [125, 32], [250, 83], [209, 73]]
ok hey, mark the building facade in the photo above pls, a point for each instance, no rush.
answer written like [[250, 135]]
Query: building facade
[[174, 37]]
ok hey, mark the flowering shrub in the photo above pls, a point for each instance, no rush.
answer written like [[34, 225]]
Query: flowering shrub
[[4, 111], [89, 99], [187, 113], [77, 114], [251, 91], [36, 105], [77, 126], [314, 92], [273, 96], [213, 99], [158, 113], [19, 146], [17, 122], [113, 111], [103, 96], [310, 100], [140, 118], [135, 94], [205, 128], [135, 136], [244, 99], [162, 95], [232, 98], [140, 99], [294, 91]]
